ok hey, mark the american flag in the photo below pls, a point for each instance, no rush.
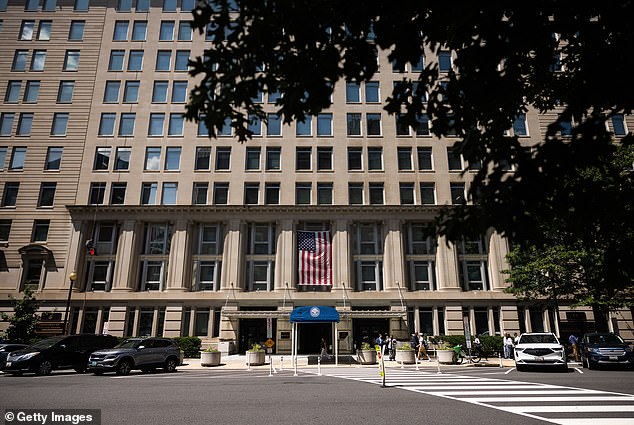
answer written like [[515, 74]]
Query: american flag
[[314, 258]]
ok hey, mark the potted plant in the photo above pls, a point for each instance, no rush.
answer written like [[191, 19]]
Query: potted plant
[[367, 354], [255, 355], [210, 357], [405, 354], [445, 355]]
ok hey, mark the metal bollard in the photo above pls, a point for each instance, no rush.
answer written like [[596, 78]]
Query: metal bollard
[[416, 360], [319, 366], [500, 356], [270, 365], [281, 363]]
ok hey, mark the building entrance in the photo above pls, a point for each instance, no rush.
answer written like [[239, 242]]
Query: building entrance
[[310, 335], [253, 331], [367, 330]]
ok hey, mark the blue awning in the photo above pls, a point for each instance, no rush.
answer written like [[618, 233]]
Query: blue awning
[[314, 314]]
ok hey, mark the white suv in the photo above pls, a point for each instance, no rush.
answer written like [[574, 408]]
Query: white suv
[[540, 349]]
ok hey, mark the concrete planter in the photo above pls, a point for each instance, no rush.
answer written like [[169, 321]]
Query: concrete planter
[[255, 358], [209, 358], [366, 356], [445, 356], [406, 356]]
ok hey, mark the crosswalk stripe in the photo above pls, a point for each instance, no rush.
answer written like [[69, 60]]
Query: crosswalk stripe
[[570, 409], [593, 421]]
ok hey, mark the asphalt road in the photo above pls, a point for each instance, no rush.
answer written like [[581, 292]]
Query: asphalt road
[[247, 397]]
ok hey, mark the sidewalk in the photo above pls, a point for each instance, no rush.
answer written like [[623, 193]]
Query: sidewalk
[[238, 361]]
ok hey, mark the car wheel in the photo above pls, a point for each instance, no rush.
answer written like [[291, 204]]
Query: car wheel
[[80, 369], [520, 367], [592, 365], [98, 372], [15, 373], [124, 367], [44, 368], [170, 365]]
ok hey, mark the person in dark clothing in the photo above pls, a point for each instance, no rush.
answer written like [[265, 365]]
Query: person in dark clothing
[[414, 342]]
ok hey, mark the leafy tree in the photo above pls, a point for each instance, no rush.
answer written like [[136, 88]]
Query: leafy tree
[[23, 322], [564, 59]]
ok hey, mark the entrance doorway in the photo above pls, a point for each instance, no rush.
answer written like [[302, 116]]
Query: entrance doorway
[[310, 335], [253, 331], [367, 330]]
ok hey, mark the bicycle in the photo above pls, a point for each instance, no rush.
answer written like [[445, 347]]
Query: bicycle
[[460, 354]]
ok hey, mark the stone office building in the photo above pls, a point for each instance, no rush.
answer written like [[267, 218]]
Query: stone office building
[[198, 236]]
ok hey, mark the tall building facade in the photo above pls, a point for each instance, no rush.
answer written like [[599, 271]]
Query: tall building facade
[[169, 232]]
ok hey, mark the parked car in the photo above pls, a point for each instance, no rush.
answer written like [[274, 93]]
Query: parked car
[[58, 352], [539, 349], [137, 353], [5, 349], [605, 349]]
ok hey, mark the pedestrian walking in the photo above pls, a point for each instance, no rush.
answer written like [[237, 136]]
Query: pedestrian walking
[[508, 347], [392, 348], [414, 342], [574, 343], [422, 347]]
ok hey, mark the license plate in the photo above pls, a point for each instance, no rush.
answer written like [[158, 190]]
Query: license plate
[[614, 358], [93, 363], [8, 364], [539, 359]]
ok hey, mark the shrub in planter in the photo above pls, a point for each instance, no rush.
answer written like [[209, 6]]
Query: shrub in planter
[[189, 345], [210, 357], [405, 354], [367, 354], [255, 355]]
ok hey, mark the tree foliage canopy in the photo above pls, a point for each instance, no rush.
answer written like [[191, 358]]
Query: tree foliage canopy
[[566, 60], [23, 322]]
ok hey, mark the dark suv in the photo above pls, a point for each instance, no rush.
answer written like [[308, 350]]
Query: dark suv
[[136, 353], [58, 352], [605, 349]]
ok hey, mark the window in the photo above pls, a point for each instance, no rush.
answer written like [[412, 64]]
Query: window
[[324, 158], [106, 124], [40, 230], [355, 162], [142, 5], [375, 159], [152, 159], [97, 192], [159, 93], [166, 31], [185, 31], [163, 58], [260, 242], [10, 194], [47, 194], [182, 60], [5, 230], [169, 5], [116, 60], [353, 124], [444, 61], [3, 156], [427, 194], [324, 125], [373, 122], [179, 92], [519, 125], [18, 156], [120, 31], [355, 193], [454, 160], [44, 30], [404, 155], [60, 124], [303, 159], [26, 30], [203, 157], [99, 277], [226, 129], [618, 125], [304, 128], [221, 193], [31, 5], [223, 158], [39, 60], [202, 127], [148, 193], [71, 60], [124, 5], [82, 5], [65, 91], [425, 162], [117, 193], [49, 5], [19, 60], [457, 193], [407, 193], [303, 193], [199, 193], [402, 128], [473, 275], [187, 5], [255, 125], [176, 124], [169, 194], [6, 123], [272, 193], [76, 31], [273, 158], [172, 158], [122, 159], [139, 30], [135, 60], [372, 92], [376, 193], [252, 159], [353, 92], [31, 91], [12, 94], [274, 125], [25, 122], [324, 193], [422, 129], [126, 124], [131, 92], [53, 158]]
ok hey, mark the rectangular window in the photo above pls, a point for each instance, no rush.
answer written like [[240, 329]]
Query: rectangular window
[[26, 30], [131, 92], [76, 31], [166, 31], [71, 60], [353, 92], [152, 159], [223, 158], [49, 5], [102, 158], [44, 30], [31, 92], [428, 193], [355, 193], [273, 158], [82, 5], [168, 196], [120, 31], [402, 128], [422, 129], [126, 124], [25, 122], [372, 92], [169, 5], [355, 157], [404, 158], [201, 319], [106, 124], [324, 158], [203, 158], [47, 194], [163, 59], [116, 60], [274, 125], [38, 60], [179, 92], [148, 193], [252, 159], [53, 158], [519, 125], [117, 193], [151, 280], [199, 193], [122, 158], [457, 193], [6, 123], [375, 159], [376, 193], [159, 93], [12, 94], [369, 275], [353, 124], [40, 230], [139, 30], [19, 60], [324, 125], [304, 128], [176, 124], [324, 193], [618, 125], [172, 158], [425, 162], [272, 193], [135, 60], [303, 193], [31, 5], [5, 230], [373, 122], [255, 125], [251, 193], [18, 157], [10, 194], [182, 60], [124, 5], [142, 5], [454, 160], [184, 31], [65, 91], [207, 278], [60, 124], [303, 159], [221, 193], [407, 193], [444, 61], [97, 192], [3, 157]]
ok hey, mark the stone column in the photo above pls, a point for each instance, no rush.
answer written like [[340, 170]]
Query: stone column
[[285, 257], [393, 256], [180, 264], [75, 256], [233, 256], [117, 320], [447, 265], [342, 266], [498, 248], [453, 317], [124, 276], [173, 319]]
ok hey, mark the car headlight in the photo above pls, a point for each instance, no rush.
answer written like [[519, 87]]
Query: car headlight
[[111, 357], [628, 349], [25, 356], [593, 350], [519, 350]]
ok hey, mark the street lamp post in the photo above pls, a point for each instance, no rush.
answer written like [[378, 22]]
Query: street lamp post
[[72, 277]]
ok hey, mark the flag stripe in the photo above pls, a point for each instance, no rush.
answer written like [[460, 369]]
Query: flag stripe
[[314, 258]]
